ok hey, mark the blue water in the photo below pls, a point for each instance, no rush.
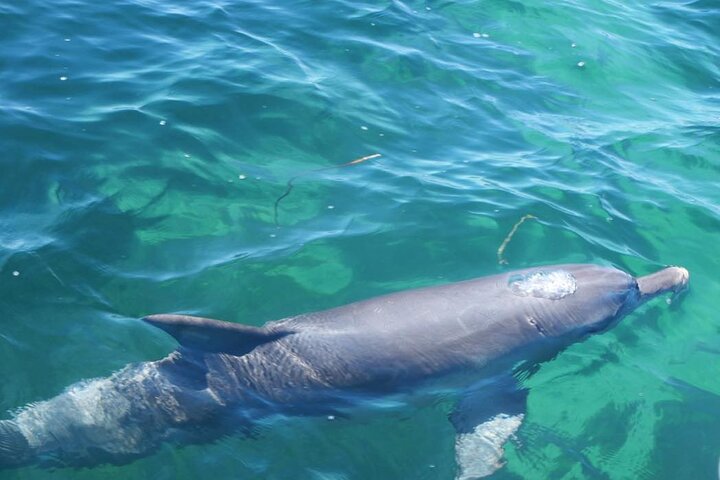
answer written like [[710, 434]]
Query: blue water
[[144, 144]]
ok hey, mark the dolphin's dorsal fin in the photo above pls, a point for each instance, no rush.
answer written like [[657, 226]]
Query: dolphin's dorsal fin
[[216, 336]]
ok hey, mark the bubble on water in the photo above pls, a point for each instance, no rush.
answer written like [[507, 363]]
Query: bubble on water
[[554, 284], [330, 207], [163, 122], [476, 35], [67, 39], [242, 177], [331, 417], [63, 78], [16, 273], [573, 45], [581, 64], [363, 127]]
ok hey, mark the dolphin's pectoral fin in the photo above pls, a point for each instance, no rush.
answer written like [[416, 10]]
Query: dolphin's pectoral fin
[[485, 418], [214, 336]]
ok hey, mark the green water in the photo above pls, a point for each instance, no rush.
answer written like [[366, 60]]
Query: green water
[[145, 142]]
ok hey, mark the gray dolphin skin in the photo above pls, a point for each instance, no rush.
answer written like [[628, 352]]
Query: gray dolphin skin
[[473, 337]]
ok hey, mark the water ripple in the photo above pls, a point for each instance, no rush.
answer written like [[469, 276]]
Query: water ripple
[[145, 143]]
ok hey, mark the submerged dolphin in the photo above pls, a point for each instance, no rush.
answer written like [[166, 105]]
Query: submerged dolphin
[[224, 376]]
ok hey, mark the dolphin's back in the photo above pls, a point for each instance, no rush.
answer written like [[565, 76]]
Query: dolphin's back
[[417, 334]]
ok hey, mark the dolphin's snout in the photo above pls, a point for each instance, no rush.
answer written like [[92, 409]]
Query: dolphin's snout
[[671, 279], [683, 276]]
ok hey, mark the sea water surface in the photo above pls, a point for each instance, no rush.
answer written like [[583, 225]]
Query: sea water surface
[[143, 145]]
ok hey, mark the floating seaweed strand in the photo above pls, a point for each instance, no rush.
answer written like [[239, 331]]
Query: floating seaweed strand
[[290, 185], [505, 242]]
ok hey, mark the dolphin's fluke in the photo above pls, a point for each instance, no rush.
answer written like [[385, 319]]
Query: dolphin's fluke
[[14, 447], [671, 279]]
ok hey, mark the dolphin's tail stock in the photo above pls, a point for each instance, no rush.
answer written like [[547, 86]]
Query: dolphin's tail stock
[[671, 279], [14, 447], [110, 420]]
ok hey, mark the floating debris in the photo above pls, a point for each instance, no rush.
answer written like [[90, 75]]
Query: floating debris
[[62, 79], [581, 64], [163, 122], [242, 177], [290, 185], [505, 242], [573, 45], [363, 127]]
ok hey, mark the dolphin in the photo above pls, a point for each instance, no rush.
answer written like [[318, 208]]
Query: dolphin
[[474, 337]]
